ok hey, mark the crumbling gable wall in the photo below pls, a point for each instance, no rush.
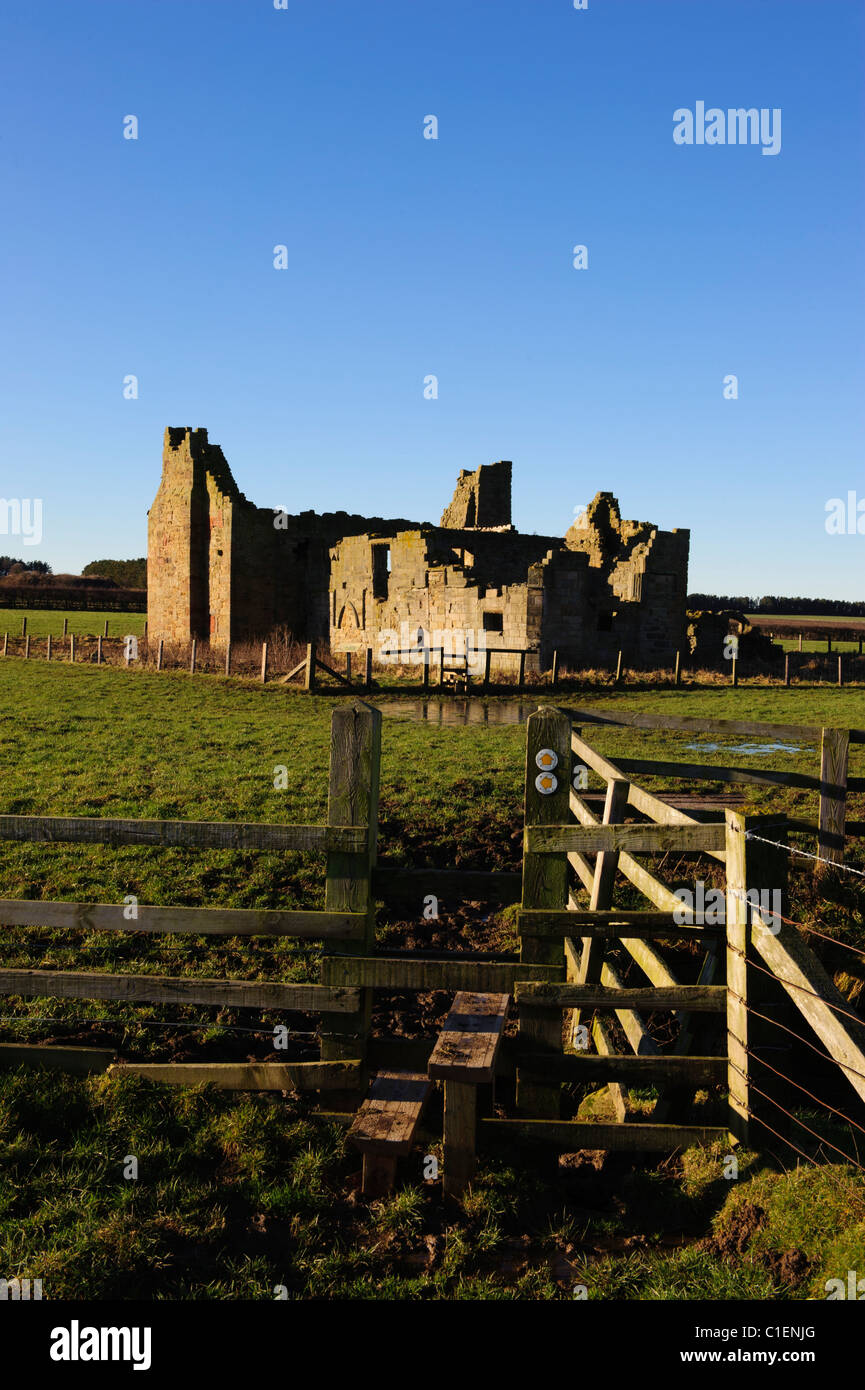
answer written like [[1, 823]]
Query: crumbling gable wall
[[646, 571], [482, 498]]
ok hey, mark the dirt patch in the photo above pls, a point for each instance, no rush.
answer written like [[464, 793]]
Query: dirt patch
[[746, 1219]]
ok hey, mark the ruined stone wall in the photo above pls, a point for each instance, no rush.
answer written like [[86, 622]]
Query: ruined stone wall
[[481, 498], [222, 569], [646, 574], [420, 593]]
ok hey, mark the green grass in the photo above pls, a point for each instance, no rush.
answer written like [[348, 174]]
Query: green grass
[[813, 645], [238, 1194], [42, 621]]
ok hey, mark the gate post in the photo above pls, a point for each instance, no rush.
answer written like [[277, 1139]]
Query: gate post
[[834, 745], [355, 752], [545, 884], [738, 1076]]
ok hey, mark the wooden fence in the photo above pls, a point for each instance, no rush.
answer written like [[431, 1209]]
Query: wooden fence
[[562, 972], [437, 669], [832, 782]]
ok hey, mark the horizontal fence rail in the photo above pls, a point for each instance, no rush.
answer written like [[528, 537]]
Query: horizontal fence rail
[[653, 839], [206, 921], [179, 834], [159, 989]]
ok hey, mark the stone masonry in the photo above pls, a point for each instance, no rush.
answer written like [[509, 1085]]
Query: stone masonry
[[221, 569]]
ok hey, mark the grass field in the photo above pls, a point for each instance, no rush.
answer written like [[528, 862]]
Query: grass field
[[236, 1195], [813, 644], [42, 621]]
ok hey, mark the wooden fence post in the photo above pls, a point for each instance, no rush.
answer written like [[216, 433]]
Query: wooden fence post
[[159, 651], [105, 629], [618, 670], [554, 676], [367, 671], [677, 676], [834, 745], [65, 627], [348, 666], [786, 668], [24, 626], [5, 643], [734, 674], [425, 674], [99, 651], [738, 1076], [227, 657], [521, 678], [840, 672], [48, 649], [766, 874], [545, 884], [355, 755], [263, 662], [72, 646], [488, 661], [309, 674], [27, 647], [191, 657], [800, 641]]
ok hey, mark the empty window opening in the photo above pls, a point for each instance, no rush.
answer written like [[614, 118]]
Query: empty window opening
[[380, 569], [494, 622]]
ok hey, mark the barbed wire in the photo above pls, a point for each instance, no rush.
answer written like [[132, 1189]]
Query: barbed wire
[[750, 1052], [818, 858], [742, 894], [790, 1116], [791, 984], [826, 1056]]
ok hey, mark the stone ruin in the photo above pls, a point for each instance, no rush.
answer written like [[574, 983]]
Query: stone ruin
[[221, 569]]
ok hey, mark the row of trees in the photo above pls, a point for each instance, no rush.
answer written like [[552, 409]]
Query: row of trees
[[775, 604], [9, 565], [127, 574]]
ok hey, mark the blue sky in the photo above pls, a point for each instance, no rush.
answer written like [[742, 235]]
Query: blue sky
[[453, 257]]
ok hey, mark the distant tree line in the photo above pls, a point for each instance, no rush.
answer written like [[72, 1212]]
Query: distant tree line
[[125, 574], [773, 603], [9, 565], [129, 574]]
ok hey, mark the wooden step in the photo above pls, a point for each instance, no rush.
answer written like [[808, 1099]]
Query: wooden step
[[464, 1058], [384, 1127], [470, 1039]]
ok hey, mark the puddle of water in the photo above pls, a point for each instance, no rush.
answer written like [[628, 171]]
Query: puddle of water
[[457, 711], [749, 750], [472, 710]]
